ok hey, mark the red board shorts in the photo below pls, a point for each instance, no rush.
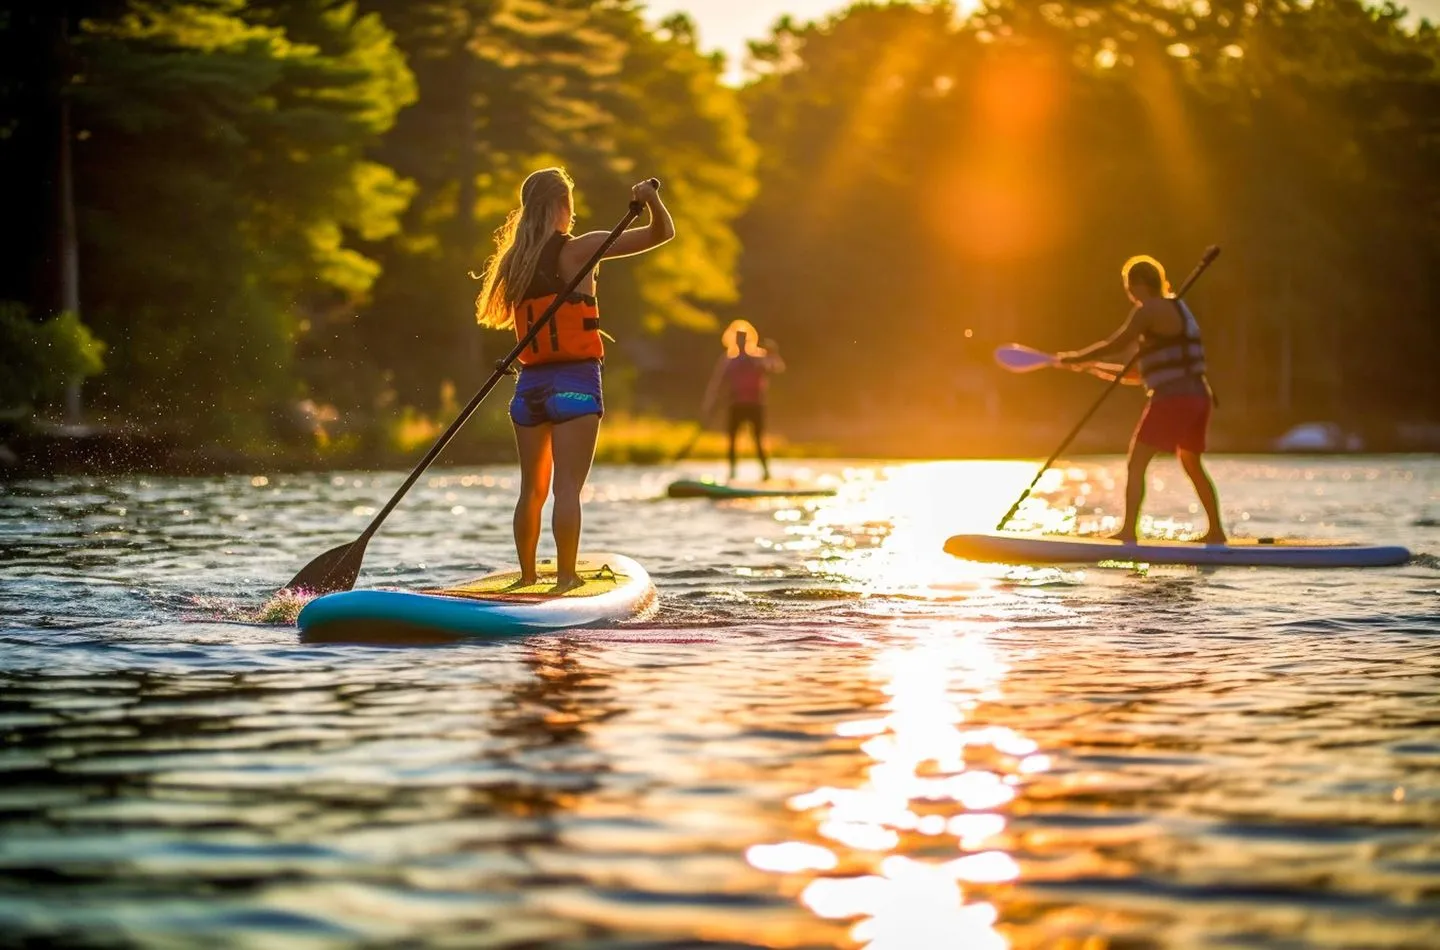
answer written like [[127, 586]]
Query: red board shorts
[[1171, 423]]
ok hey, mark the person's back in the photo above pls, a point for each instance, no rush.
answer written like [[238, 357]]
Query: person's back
[[746, 379], [1171, 352], [743, 371]]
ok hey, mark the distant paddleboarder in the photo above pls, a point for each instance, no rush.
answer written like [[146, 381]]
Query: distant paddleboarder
[[743, 371], [558, 401], [1172, 369]]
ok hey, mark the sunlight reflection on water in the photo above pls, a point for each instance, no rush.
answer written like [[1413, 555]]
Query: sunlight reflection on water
[[919, 783], [832, 734]]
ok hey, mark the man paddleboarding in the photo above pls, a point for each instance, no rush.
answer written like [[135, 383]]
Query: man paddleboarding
[[1171, 364], [558, 401], [744, 370]]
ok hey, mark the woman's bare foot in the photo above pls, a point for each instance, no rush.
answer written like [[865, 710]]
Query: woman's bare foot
[[562, 584], [1215, 536], [1124, 537], [522, 583]]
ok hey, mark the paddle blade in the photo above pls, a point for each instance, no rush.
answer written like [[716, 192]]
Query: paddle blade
[[335, 570], [1022, 359]]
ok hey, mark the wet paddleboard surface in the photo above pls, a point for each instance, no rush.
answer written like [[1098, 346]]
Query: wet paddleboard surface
[[615, 588], [1016, 548], [704, 488]]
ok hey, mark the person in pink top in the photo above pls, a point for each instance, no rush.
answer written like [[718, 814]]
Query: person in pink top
[[744, 370]]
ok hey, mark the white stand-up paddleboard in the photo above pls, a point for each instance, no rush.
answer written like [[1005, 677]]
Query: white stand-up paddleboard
[[615, 588], [1012, 548], [692, 488]]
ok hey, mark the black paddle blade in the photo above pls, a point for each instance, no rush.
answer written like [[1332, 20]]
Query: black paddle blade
[[335, 570]]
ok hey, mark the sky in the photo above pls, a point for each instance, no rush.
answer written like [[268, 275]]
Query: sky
[[728, 24]]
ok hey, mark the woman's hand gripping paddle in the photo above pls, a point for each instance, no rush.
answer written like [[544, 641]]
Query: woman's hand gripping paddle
[[1211, 253], [338, 568]]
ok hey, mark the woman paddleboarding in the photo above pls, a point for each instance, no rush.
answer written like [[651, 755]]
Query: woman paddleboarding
[[558, 399], [744, 370]]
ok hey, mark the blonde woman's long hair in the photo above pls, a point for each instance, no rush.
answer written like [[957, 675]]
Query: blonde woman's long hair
[[518, 244], [730, 339]]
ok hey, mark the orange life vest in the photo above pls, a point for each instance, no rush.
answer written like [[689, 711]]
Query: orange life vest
[[573, 333]]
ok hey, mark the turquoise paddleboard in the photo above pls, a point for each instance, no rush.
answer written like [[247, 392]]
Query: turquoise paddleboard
[[616, 588], [1013, 548], [693, 488]]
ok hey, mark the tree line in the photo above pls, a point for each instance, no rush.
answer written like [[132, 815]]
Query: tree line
[[277, 202]]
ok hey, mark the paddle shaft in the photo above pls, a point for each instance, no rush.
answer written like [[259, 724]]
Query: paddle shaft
[[1210, 254], [502, 368], [689, 446], [338, 568]]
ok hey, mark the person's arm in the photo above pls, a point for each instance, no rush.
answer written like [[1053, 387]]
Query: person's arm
[[773, 361], [712, 390], [1118, 342], [1108, 372], [656, 232]]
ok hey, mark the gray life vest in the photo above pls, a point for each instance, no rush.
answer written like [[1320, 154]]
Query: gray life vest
[[1174, 362]]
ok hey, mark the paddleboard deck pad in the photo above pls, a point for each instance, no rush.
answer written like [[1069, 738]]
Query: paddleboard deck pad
[[1011, 548], [693, 488], [615, 588]]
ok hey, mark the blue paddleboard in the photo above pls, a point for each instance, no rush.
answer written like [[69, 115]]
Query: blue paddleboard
[[616, 588]]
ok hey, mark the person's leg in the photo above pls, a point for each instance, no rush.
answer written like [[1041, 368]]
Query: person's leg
[[1140, 456], [574, 448], [757, 428], [536, 463], [734, 431], [1194, 466]]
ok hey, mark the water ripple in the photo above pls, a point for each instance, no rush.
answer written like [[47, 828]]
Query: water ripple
[[830, 734]]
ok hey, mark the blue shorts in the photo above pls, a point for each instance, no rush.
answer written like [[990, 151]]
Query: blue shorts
[[557, 392]]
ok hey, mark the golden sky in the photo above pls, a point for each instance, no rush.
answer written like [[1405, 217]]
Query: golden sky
[[728, 24]]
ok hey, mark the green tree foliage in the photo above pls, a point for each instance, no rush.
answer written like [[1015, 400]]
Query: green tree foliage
[[506, 87], [925, 174], [283, 198], [223, 186], [40, 358]]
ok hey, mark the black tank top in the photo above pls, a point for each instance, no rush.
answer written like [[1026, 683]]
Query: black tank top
[[547, 280]]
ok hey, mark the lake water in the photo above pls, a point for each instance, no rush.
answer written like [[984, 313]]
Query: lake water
[[831, 733]]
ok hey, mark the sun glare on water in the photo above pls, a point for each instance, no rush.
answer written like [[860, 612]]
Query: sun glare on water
[[910, 853], [914, 508], [932, 783]]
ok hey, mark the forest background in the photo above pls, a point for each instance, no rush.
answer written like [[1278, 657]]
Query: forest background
[[242, 230]]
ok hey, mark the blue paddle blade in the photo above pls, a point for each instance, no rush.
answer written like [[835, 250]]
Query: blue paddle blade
[[1022, 359]]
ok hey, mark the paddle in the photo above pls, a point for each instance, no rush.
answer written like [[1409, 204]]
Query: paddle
[[701, 424], [1018, 358], [689, 446], [338, 568], [1211, 253]]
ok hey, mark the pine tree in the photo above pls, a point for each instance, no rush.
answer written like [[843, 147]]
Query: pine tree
[[223, 184]]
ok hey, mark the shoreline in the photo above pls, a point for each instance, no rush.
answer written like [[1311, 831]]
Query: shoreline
[[119, 453]]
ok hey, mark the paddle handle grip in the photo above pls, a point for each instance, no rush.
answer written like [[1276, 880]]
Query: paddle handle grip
[[637, 206]]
